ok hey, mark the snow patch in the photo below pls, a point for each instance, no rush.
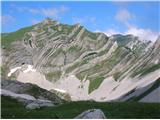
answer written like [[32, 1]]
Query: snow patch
[[30, 68], [13, 70], [60, 90]]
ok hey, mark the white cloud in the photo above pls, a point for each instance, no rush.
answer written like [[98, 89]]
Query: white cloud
[[143, 34], [5, 19], [47, 12], [50, 12], [110, 32], [123, 16]]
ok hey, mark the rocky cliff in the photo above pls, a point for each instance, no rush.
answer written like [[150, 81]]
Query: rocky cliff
[[84, 65]]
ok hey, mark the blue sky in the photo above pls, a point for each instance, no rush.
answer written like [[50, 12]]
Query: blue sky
[[139, 18]]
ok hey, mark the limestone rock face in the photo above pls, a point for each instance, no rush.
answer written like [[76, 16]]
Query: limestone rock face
[[91, 114], [59, 51]]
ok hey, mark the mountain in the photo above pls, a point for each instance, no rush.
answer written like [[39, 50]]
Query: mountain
[[82, 65], [28, 93]]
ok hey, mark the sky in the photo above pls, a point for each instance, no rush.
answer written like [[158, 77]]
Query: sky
[[137, 18]]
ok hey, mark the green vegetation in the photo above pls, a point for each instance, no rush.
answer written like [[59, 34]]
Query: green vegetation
[[71, 68], [117, 75], [95, 69], [13, 109], [62, 29], [38, 92], [74, 48], [103, 52], [146, 70], [34, 91], [124, 39], [53, 75], [3, 71], [92, 35], [75, 65], [106, 65], [150, 69], [138, 49], [66, 29], [8, 38], [57, 52], [80, 76], [95, 83], [89, 34]]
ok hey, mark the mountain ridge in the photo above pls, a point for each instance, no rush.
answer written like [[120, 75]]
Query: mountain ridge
[[67, 54]]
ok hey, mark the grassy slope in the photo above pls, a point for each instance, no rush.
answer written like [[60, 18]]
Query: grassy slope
[[150, 69], [146, 70], [12, 109], [94, 84], [8, 38]]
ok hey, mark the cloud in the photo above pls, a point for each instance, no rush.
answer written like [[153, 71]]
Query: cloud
[[111, 32], [50, 12], [5, 19], [143, 34], [123, 16], [47, 12]]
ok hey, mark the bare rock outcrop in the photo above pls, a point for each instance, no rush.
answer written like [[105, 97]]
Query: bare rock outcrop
[[91, 114], [31, 95]]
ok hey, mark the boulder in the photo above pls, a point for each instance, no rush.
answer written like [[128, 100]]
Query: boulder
[[91, 114], [32, 106], [46, 104], [38, 104]]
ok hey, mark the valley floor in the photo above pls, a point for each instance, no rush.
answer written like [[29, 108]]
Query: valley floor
[[13, 109]]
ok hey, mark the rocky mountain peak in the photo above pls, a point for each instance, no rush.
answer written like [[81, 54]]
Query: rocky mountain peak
[[72, 58], [47, 21]]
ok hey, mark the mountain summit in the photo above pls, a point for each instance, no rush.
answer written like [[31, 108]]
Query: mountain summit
[[71, 60]]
